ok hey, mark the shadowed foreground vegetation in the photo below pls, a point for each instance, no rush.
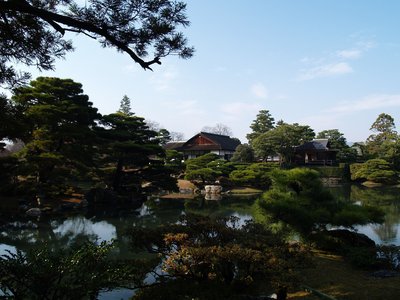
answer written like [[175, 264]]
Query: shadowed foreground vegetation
[[335, 277]]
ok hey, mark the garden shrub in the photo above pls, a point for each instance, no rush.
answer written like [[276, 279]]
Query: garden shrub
[[376, 170]]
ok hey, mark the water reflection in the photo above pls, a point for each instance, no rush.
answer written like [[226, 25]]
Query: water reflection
[[5, 248], [387, 198], [103, 225], [79, 225], [24, 233]]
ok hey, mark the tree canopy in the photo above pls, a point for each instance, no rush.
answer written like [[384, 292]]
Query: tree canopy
[[66, 142], [57, 121], [384, 124], [338, 142], [210, 258], [243, 153], [282, 140], [32, 32], [125, 106], [263, 123], [384, 143]]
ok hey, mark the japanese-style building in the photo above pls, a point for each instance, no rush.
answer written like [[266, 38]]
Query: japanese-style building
[[316, 152], [204, 142]]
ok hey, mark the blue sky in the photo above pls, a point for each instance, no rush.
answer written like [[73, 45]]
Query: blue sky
[[327, 64]]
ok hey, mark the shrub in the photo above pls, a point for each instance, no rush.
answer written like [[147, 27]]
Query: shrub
[[76, 273], [220, 258], [376, 170], [243, 177], [299, 199], [204, 174], [201, 161]]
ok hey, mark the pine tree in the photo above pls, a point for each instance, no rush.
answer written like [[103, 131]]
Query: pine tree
[[125, 106], [263, 123]]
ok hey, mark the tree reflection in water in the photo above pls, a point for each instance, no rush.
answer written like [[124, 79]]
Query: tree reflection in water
[[388, 199], [24, 232]]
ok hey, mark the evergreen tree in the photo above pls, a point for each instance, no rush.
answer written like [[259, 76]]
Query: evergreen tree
[[262, 124], [11, 127], [282, 140], [384, 124], [385, 142], [32, 31], [243, 153], [58, 120], [163, 136], [125, 106], [126, 146]]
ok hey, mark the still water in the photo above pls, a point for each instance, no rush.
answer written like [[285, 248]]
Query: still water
[[24, 232], [388, 199]]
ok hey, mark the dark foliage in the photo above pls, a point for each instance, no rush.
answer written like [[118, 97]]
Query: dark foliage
[[76, 273], [32, 31], [200, 254]]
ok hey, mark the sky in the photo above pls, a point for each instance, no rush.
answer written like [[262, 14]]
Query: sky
[[332, 64]]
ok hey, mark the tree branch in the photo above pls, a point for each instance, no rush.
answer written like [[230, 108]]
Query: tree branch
[[54, 19]]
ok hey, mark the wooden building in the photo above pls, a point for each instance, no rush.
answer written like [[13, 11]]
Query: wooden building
[[316, 152], [204, 142]]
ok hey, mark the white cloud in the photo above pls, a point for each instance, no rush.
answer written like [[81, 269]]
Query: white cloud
[[325, 71], [335, 63], [368, 103], [236, 109], [349, 54], [259, 90]]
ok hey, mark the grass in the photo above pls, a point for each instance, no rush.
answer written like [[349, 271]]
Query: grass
[[245, 190], [333, 276], [178, 196]]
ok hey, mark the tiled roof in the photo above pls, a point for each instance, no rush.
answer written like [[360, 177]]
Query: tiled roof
[[321, 144], [225, 142], [173, 145], [219, 142]]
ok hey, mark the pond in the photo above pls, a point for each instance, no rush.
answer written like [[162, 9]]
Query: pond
[[387, 198], [23, 232]]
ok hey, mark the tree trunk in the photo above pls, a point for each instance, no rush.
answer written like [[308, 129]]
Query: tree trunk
[[118, 175]]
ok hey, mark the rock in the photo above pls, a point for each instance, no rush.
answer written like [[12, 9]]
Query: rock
[[213, 197], [354, 239], [34, 212], [186, 191], [213, 189]]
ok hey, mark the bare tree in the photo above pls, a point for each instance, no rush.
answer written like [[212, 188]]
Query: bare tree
[[219, 128], [153, 125], [176, 136]]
